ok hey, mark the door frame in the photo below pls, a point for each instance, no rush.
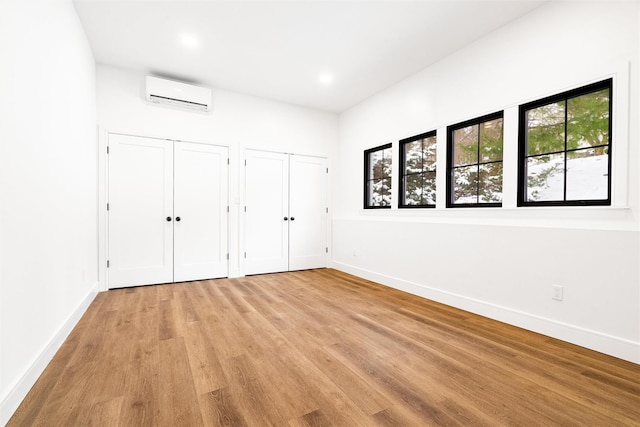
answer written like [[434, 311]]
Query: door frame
[[103, 192]]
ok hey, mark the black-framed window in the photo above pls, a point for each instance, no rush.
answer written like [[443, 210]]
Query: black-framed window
[[377, 177], [474, 162], [564, 144], [418, 171]]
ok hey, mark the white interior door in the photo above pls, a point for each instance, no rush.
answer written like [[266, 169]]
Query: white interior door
[[266, 202], [308, 212], [200, 208], [140, 201]]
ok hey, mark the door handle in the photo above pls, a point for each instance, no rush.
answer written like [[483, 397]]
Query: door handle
[[293, 219], [169, 218], [286, 219], [178, 218]]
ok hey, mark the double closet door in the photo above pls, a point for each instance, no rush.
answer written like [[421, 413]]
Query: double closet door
[[167, 211], [285, 212]]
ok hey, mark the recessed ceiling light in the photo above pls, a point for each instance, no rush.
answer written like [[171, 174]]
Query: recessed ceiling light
[[190, 41], [325, 79]]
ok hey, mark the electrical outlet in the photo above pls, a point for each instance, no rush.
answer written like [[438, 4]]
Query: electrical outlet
[[557, 292]]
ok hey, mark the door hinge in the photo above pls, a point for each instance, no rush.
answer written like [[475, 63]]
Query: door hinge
[[107, 206], [327, 170], [227, 208], [245, 163], [227, 255], [245, 209], [327, 249], [245, 255], [107, 263], [107, 149], [227, 160], [327, 210]]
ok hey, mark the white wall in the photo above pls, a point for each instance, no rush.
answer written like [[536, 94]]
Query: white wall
[[501, 262], [237, 121], [48, 171]]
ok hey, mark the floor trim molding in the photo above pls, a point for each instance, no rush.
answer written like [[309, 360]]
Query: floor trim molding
[[21, 387], [594, 340]]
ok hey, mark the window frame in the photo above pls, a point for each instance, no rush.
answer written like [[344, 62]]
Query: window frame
[[522, 145], [451, 168], [402, 169], [366, 176]]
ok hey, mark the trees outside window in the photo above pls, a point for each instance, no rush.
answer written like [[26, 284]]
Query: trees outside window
[[565, 148], [474, 162], [377, 177], [418, 171]]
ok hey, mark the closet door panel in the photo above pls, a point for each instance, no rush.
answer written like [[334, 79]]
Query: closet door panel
[[200, 207], [308, 205], [140, 248], [266, 201]]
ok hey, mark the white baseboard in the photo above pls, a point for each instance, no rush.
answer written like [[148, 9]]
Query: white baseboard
[[594, 340], [21, 387]]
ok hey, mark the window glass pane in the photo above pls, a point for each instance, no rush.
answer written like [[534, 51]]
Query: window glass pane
[[587, 174], [465, 189], [386, 162], [490, 181], [375, 165], [588, 120], [465, 146], [380, 164], [412, 189], [429, 153], [413, 157], [491, 141], [371, 193], [429, 189], [380, 192], [370, 198], [545, 129], [385, 192], [545, 178]]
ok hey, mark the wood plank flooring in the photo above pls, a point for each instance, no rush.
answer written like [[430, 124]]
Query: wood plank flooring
[[316, 348]]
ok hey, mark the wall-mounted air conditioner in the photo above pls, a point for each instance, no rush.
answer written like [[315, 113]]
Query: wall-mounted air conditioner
[[178, 94]]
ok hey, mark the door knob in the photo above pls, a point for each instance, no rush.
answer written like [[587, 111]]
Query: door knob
[[286, 219], [293, 219], [177, 218], [169, 218]]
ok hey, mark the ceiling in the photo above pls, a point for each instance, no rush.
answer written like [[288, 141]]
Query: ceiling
[[279, 49]]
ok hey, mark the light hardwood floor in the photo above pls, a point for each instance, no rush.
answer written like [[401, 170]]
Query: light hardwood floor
[[316, 348]]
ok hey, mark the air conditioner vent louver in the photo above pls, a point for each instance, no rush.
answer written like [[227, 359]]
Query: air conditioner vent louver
[[178, 103], [177, 94]]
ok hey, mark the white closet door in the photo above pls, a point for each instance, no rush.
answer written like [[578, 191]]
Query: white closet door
[[200, 208], [308, 205], [140, 201], [266, 201]]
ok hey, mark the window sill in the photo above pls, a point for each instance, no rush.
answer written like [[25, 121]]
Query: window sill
[[577, 217]]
